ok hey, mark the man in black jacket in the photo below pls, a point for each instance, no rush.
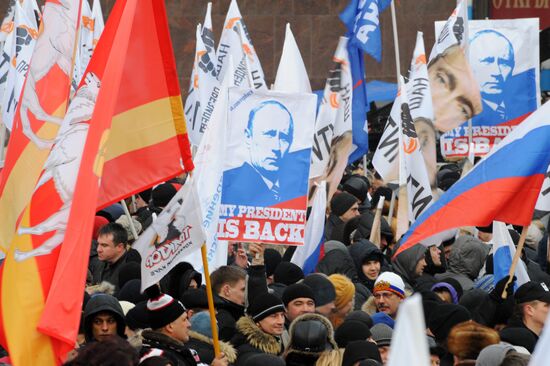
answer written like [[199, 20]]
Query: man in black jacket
[[228, 287]]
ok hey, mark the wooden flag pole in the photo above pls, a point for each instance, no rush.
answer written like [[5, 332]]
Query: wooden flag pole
[[127, 213], [213, 322], [519, 249], [395, 40], [376, 223], [392, 206]]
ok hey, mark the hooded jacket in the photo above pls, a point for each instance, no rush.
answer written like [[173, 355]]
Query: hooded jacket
[[228, 314], [158, 344], [205, 348], [405, 263], [102, 303], [358, 252], [251, 340], [467, 258], [337, 260]]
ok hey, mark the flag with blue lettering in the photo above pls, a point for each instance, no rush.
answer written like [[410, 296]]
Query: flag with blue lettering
[[362, 18]]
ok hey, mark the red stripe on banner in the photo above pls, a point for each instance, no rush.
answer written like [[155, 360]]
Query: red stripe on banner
[[461, 211], [132, 170]]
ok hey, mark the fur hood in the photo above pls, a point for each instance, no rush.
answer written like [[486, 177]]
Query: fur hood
[[310, 316], [257, 338], [225, 347], [369, 307]]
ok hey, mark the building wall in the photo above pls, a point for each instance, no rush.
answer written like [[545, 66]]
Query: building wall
[[315, 25]]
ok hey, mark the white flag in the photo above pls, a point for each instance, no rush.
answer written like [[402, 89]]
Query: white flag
[[332, 139], [386, 156], [291, 73], [235, 41], [539, 356], [24, 40], [85, 39], [7, 23], [209, 162], [503, 253], [206, 88], [176, 233], [99, 23], [409, 340]]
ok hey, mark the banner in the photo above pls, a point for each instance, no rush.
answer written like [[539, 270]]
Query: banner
[[24, 40], [235, 41], [455, 93], [175, 233], [421, 107], [204, 87], [332, 138], [267, 166], [504, 56]]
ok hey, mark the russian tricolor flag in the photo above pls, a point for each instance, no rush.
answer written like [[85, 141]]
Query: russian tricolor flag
[[503, 186], [307, 256], [503, 252]]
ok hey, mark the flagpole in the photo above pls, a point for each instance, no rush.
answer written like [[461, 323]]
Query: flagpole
[[127, 212], [519, 249], [2, 143], [213, 323], [392, 205], [375, 230], [395, 41]]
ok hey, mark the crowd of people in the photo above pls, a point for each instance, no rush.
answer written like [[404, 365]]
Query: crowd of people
[[268, 312]]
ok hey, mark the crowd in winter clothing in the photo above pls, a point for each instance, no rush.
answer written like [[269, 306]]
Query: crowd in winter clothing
[[268, 312]]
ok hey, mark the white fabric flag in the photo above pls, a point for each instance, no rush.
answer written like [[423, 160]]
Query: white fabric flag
[[235, 41], [24, 40], [7, 39], [539, 357], [209, 162], [176, 233], [99, 23], [85, 40], [332, 139], [291, 74], [386, 156], [415, 175], [307, 255], [409, 341], [7, 23], [208, 89]]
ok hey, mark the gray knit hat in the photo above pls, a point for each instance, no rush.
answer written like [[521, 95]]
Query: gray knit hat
[[381, 334]]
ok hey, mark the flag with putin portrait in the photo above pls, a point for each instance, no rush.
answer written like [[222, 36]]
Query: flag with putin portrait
[[504, 56], [265, 178]]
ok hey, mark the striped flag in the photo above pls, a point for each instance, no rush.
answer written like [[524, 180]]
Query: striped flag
[[308, 255], [500, 187], [45, 269], [503, 253]]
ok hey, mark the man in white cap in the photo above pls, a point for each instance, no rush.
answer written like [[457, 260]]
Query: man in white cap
[[389, 292]]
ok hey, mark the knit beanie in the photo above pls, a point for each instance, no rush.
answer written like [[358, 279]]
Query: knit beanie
[[493, 355], [345, 290], [322, 288], [163, 309], [351, 330], [272, 258], [138, 317], [360, 350], [342, 202], [382, 334], [287, 273], [131, 291], [195, 298], [444, 317], [162, 194], [361, 316], [200, 323], [389, 281], [264, 305], [383, 318], [296, 291]]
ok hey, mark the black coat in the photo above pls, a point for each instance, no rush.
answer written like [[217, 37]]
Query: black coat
[[174, 350]]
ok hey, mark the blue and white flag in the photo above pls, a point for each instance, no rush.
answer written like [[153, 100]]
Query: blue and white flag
[[503, 253], [307, 256], [362, 17]]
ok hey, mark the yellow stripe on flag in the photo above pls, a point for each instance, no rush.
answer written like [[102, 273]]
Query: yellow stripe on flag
[[20, 186], [140, 127], [22, 304]]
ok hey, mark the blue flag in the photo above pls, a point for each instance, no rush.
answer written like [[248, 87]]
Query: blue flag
[[361, 17]]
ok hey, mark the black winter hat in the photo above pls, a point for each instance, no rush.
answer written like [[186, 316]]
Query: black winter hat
[[162, 194], [296, 291], [263, 306], [272, 258], [351, 330], [163, 309], [323, 289], [342, 202], [310, 335], [195, 298], [446, 316], [360, 315], [358, 186], [287, 273], [131, 292], [360, 350], [129, 271], [138, 316]]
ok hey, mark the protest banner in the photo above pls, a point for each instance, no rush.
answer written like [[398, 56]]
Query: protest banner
[[267, 166], [504, 56]]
